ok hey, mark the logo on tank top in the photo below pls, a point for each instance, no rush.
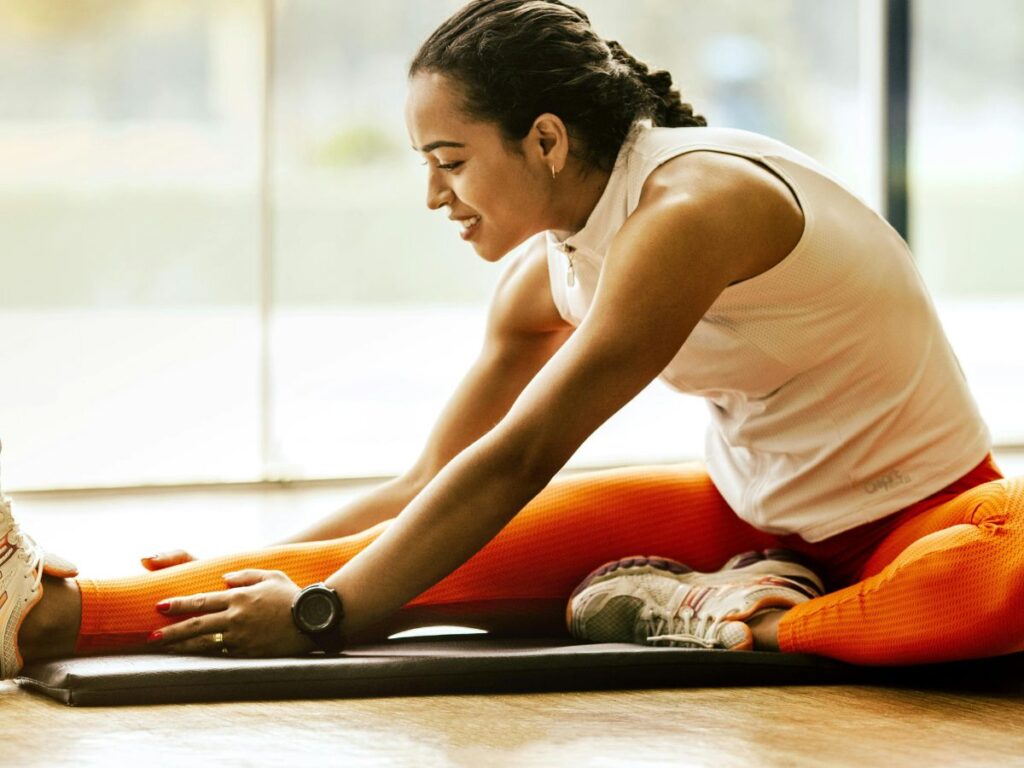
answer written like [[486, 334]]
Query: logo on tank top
[[886, 482]]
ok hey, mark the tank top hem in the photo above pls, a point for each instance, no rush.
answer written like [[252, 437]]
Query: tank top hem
[[922, 490]]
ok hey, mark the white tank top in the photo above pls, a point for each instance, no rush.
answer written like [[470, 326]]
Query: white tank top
[[835, 397]]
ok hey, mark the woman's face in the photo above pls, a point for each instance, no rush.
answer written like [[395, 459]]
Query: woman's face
[[498, 198]]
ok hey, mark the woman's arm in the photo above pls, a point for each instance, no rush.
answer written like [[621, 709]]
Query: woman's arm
[[665, 268]]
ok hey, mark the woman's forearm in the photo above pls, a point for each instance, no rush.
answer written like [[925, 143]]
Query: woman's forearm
[[382, 503], [454, 516]]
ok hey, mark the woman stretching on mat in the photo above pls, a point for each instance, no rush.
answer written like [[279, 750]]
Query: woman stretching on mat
[[638, 244]]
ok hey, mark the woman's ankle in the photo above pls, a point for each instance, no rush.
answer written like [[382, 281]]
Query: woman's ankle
[[50, 630], [765, 628]]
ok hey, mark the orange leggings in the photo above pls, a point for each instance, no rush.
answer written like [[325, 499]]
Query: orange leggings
[[940, 580]]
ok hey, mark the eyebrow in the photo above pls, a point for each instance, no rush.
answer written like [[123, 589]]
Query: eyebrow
[[437, 144]]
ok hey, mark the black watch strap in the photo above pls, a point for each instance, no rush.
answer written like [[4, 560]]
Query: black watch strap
[[319, 613]]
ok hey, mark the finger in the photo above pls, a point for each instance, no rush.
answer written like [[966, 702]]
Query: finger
[[55, 565], [166, 560], [195, 627], [162, 560], [248, 577], [204, 602]]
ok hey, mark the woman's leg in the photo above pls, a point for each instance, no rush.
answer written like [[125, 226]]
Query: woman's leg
[[946, 584], [523, 576]]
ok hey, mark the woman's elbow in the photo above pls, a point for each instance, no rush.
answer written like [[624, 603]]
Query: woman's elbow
[[529, 458]]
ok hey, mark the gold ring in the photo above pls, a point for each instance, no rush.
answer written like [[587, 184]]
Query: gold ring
[[218, 640]]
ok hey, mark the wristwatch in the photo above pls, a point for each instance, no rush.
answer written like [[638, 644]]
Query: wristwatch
[[318, 613]]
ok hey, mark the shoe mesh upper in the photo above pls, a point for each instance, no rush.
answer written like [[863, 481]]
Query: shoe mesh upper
[[641, 603], [615, 603]]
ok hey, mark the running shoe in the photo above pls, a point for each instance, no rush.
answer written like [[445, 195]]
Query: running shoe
[[656, 601], [21, 575]]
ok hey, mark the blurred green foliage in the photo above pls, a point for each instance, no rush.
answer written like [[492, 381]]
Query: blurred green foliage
[[354, 145]]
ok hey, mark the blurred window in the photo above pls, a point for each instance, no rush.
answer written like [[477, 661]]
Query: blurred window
[[131, 143], [129, 147], [967, 189]]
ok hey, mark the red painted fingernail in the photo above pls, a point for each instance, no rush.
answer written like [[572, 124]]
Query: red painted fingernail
[[164, 606], [155, 635]]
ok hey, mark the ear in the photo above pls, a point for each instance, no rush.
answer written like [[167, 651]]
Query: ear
[[548, 142]]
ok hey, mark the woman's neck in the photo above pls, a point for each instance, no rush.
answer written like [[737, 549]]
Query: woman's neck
[[579, 194]]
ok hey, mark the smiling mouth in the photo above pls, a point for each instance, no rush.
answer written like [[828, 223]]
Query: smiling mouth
[[469, 227]]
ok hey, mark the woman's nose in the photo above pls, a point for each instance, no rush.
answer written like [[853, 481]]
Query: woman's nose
[[438, 193]]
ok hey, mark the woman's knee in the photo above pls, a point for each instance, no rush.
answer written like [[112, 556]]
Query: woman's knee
[[996, 504]]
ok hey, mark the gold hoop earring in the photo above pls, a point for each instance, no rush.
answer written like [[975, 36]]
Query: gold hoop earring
[[554, 173]]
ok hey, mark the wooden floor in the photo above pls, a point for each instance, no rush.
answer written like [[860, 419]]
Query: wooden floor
[[795, 726], [783, 726]]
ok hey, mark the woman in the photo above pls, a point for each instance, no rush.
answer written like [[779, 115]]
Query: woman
[[639, 243]]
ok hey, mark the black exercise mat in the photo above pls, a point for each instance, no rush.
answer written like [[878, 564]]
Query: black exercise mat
[[455, 665]]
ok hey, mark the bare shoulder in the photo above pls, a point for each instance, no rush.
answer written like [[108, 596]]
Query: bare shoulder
[[522, 304], [743, 204]]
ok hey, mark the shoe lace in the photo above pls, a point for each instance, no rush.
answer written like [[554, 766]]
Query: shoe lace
[[29, 552], [678, 623]]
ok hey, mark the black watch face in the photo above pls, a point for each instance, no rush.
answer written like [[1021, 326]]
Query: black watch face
[[316, 611]]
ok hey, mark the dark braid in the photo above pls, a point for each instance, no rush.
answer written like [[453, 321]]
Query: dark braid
[[668, 107], [513, 60]]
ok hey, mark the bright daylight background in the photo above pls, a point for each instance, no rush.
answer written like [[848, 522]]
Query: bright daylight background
[[216, 264]]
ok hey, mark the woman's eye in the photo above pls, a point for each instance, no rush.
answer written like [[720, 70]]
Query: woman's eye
[[445, 166]]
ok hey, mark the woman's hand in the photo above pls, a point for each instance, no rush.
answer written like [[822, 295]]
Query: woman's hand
[[166, 560], [254, 617]]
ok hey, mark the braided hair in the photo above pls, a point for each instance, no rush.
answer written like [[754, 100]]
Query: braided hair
[[513, 60]]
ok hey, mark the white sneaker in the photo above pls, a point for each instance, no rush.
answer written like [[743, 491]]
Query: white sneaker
[[21, 575], [655, 601]]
